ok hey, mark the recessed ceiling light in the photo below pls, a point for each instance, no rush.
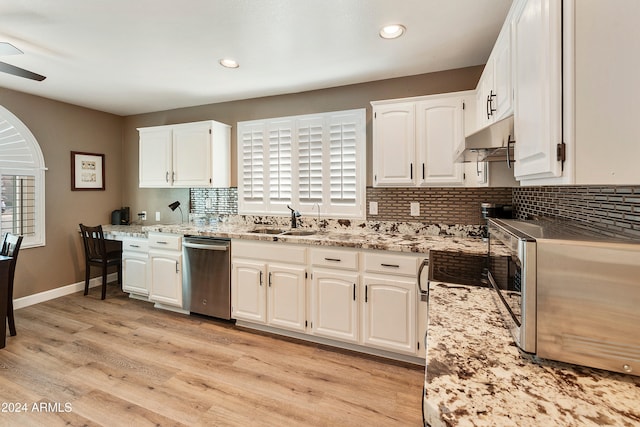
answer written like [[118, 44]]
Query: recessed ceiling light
[[392, 31], [229, 63]]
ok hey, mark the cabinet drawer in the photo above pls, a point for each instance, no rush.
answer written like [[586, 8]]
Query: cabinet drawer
[[334, 258], [133, 244], [269, 251], [171, 242], [390, 264]]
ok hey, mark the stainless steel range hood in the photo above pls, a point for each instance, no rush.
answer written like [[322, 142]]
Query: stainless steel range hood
[[490, 144]]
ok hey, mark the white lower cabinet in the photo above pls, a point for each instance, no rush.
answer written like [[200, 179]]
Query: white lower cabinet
[[286, 296], [248, 293], [390, 313], [366, 300], [135, 265], [165, 260], [334, 304], [266, 291]]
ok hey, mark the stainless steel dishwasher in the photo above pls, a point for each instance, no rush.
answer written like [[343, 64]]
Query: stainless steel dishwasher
[[207, 276]]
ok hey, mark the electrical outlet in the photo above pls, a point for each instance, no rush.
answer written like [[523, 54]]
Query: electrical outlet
[[415, 208], [157, 216], [373, 208], [143, 215]]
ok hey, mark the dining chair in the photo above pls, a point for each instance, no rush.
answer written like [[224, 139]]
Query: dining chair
[[11, 247], [98, 253]]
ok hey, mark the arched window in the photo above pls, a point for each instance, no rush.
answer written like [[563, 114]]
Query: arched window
[[21, 181]]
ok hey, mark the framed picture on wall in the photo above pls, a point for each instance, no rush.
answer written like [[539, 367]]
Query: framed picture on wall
[[87, 171]]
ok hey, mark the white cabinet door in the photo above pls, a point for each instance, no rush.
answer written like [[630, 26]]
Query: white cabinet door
[[394, 144], [286, 297], [192, 155], [134, 273], [501, 61], [484, 109], [155, 158], [440, 128], [166, 278], [334, 305], [390, 313], [248, 291], [538, 88]]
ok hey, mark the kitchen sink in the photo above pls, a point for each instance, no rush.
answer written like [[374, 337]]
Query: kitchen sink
[[299, 233], [266, 231]]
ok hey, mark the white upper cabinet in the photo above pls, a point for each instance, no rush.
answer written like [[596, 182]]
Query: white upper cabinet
[[494, 93], [537, 41], [185, 155], [414, 140], [394, 146], [576, 92], [440, 129]]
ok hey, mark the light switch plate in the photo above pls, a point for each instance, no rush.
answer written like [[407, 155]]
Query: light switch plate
[[373, 208], [415, 208], [157, 216]]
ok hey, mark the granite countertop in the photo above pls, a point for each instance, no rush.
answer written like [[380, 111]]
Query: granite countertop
[[353, 238], [476, 376]]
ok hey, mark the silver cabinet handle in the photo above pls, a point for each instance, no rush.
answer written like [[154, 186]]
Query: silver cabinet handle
[[390, 265], [332, 259], [354, 291], [269, 279], [162, 242], [134, 246], [177, 269]]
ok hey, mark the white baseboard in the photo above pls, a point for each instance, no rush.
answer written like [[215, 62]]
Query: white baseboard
[[60, 292]]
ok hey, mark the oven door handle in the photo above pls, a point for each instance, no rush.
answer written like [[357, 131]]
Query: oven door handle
[[424, 293]]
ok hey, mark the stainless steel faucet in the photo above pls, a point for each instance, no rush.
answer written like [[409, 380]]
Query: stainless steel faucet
[[294, 214]]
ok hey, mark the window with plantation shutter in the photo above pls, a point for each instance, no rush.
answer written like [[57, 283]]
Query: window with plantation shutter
[[252, 162], [280, 162], [310, 156], [21, 181], [343, 175], [314, 163]]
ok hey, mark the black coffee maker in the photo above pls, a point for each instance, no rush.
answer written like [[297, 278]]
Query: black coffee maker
[[120, 216]]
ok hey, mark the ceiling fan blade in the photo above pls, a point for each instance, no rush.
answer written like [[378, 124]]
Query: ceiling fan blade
[[20, 72]]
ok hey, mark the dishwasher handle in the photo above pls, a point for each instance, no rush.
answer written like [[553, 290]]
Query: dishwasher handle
[[208, 246]]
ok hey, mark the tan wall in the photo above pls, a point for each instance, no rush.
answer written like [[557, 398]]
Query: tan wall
[[59, 129], [333, 99]]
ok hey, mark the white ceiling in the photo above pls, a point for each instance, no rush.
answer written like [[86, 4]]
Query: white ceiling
[[135, 56]]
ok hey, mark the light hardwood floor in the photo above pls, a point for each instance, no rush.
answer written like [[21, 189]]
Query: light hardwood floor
[[120, 362]]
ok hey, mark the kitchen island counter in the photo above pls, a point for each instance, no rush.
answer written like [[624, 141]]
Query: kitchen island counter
[[476, 376]]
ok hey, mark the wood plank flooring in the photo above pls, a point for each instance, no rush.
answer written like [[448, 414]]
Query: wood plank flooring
[[119, 362]]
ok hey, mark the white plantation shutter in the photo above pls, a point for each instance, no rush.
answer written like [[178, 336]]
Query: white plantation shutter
[[22, 181], [310, 160], [343, 174], [280, 162], [252, 157]]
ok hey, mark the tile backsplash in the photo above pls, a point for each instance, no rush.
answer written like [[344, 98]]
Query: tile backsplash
[[438, 205], [612, 210], [213, 201]]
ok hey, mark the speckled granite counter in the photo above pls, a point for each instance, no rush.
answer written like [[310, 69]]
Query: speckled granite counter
[[476, 376], [399, 241]]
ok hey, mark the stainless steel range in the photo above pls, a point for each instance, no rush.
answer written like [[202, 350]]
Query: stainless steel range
[[567, 293]]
